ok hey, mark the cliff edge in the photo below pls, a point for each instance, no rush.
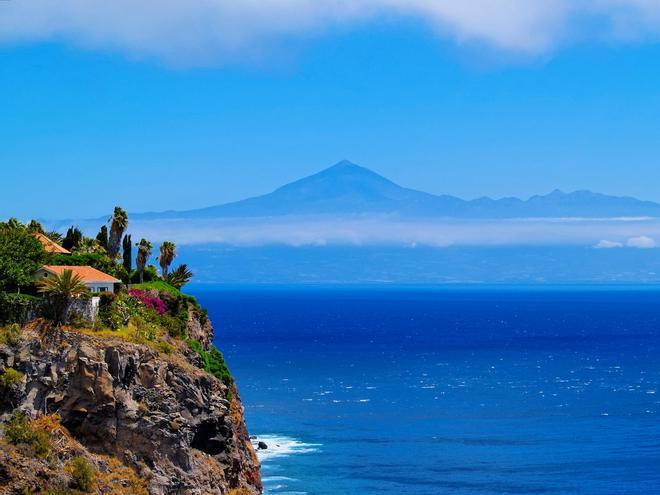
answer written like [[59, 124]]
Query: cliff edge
[[147, 416]]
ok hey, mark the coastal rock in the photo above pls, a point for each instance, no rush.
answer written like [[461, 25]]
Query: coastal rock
[[174, 424], [262, 446], [199, 327]]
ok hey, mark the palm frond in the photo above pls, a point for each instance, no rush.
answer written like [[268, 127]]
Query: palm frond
[[180, 276]]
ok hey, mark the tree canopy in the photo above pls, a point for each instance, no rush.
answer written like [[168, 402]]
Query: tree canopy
[[21, 254]]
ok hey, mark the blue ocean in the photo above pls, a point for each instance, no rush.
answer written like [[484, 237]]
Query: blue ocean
[[464, 391]]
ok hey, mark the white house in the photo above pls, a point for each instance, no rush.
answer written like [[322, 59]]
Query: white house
[[95, 280]]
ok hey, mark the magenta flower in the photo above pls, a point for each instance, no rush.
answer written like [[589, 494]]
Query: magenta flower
[[155, 303]]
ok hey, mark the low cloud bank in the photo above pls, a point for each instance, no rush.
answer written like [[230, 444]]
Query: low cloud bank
[[357, 231], [202, 32]]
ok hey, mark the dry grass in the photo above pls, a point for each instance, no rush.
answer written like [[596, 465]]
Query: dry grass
[[119, 479], [239, 491], [51, 424]]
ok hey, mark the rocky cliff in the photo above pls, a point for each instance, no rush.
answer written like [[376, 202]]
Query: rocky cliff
[[153, 410]]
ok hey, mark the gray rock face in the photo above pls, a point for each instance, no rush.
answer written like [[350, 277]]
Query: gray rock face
[[159, 414], [199, 328]]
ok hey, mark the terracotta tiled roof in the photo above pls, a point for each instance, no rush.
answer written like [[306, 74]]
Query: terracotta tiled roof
[[50, 245], [86, 273]]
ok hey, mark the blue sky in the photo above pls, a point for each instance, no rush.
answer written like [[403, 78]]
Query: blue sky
[[116, 122]]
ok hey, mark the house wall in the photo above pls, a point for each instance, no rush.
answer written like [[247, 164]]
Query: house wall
[[88, 309], [95, 287]]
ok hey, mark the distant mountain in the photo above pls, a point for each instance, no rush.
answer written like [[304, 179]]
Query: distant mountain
[[348, 189]]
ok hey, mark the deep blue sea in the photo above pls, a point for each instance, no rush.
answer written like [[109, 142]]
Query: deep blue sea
[[458, 391]]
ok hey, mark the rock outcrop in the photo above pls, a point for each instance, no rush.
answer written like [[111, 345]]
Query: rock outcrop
[[22, 472], [177, 426]]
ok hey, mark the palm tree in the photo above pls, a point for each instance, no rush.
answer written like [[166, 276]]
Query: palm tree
[[54, 235], [119, 223], [61, 290], [179, 277], [167, 255], [143, 255], [89, 245]]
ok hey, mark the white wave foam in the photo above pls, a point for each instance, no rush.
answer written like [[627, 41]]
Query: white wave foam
[[281, 446]]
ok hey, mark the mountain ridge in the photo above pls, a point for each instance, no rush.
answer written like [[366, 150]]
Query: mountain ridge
[[349, 189]]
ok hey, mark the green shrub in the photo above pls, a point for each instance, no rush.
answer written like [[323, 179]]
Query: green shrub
[[40, 443], [214, 363], [105, 315], [83, 473], [116, 310], [10, 378], [10, 335], [150, 274], [143, 331], [168, 323], [14, 308], [19, 430], [158, 285], [77, 320], [165, 347]]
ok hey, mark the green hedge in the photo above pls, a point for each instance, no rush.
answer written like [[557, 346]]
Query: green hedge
[[14, 308]]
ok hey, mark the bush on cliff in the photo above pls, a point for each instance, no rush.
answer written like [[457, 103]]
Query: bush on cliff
[[10, 335], [83, 473], [214, 363], [166, 310], [19, 430], [10, 379]]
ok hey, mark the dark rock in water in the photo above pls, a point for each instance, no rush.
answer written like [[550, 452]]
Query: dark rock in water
[[262, 446]]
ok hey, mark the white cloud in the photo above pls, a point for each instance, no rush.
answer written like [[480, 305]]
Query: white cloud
[[605, 244], [192, 32], [641, 242]]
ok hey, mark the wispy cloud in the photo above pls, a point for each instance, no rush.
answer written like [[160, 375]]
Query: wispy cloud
[[605, 244], [214, 31]]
